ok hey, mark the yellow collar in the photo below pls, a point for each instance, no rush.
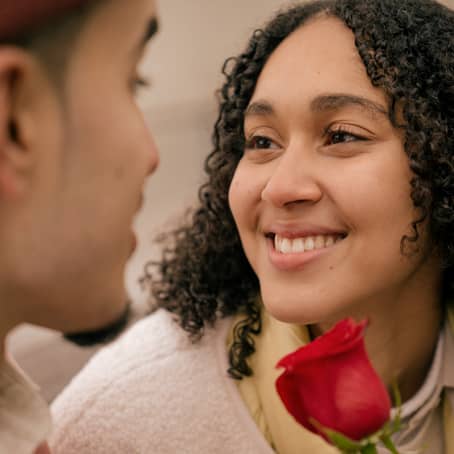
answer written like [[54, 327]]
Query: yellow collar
[[281, 431]]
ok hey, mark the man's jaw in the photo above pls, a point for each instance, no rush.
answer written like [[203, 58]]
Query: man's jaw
[[102, 335]]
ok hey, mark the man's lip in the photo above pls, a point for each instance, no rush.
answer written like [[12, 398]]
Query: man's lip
[[134, 242], [139, 208], [141, 202]]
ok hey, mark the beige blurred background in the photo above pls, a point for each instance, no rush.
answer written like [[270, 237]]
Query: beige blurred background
[[184, 63]]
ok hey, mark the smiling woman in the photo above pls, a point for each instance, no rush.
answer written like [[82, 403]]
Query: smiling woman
[[330, 194], [298, 189]]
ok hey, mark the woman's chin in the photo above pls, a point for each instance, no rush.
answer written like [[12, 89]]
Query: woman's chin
[[293, 315], [303, 314]]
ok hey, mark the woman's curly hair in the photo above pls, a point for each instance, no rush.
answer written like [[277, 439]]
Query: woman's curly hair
[[407, 47]]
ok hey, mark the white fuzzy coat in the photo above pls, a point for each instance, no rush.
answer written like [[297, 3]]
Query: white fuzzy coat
[[155, 392]]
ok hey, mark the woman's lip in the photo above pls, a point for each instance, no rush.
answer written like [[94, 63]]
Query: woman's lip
[[301, 232], [294, 260]]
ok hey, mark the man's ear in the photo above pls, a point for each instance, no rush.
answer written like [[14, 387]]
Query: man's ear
[[18, 114]]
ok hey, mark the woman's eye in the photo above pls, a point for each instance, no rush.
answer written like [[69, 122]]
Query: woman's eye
[[342, 136], [260, 142]]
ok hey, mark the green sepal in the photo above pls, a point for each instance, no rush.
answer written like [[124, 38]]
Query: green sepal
[[369, 449], [342, 442], [339, 440], [366, 445]]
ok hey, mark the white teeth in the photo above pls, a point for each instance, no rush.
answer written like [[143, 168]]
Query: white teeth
[[329, 241], [309, 243], [286, 246], [298, 245], [319, 242]]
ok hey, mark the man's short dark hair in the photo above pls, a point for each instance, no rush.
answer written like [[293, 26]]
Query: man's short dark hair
[[52, 42]]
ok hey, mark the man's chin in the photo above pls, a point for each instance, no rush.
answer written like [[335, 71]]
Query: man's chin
[[101, 335]]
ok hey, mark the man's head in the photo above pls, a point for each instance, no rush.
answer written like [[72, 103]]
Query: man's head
[[47, 29], [74, 154]]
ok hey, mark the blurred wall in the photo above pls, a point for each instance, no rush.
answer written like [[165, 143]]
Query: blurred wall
[[184, 63]]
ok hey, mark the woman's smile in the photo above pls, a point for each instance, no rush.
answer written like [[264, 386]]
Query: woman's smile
[[295, 253], [302, 244], [290, 249]]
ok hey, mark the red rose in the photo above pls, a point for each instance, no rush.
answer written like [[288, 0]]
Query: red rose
[[332, 381]]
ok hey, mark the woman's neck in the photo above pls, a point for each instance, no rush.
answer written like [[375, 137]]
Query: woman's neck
[[401, 338], [402, 353]]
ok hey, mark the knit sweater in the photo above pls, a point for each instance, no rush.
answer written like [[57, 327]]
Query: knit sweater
[[156, 392]]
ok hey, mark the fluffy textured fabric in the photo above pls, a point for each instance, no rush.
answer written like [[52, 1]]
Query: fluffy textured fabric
[[155, 392], [17, 16]]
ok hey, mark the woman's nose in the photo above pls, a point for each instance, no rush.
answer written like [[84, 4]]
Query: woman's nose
[[293, 180]]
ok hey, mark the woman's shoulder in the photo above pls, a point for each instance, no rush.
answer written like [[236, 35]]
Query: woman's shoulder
[[141, 389]]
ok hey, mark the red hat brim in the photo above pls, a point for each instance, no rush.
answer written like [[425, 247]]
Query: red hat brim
[[19, 16]]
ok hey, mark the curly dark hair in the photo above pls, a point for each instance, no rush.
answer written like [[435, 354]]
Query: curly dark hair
[[407, 47]]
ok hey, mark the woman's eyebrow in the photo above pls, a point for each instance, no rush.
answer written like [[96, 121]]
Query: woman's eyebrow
[[337, 101], [259, 108], [322, 103]]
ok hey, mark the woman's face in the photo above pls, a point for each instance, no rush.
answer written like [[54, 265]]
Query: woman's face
[[321, 196]]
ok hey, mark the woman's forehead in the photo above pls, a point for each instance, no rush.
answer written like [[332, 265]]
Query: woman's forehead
[[319, 58]]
